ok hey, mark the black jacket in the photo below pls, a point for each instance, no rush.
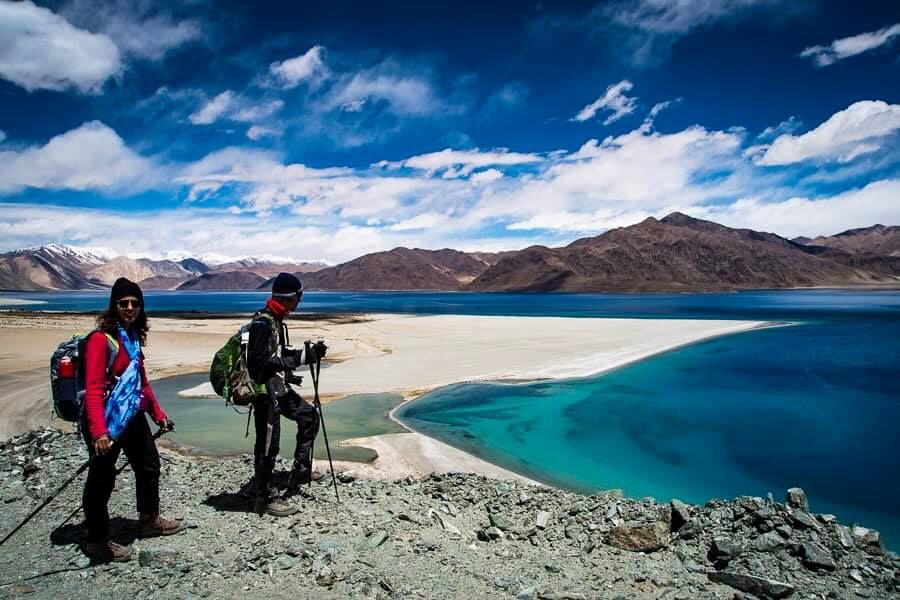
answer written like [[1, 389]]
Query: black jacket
[[267, 337]]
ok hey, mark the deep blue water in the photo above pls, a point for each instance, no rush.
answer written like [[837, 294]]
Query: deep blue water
[[816, 404]]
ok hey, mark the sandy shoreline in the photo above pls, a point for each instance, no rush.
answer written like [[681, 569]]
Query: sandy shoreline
[[404, 354]]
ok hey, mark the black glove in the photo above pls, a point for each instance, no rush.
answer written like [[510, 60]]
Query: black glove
[[165, 426], [286, 363], [314, 352], [321, 349]]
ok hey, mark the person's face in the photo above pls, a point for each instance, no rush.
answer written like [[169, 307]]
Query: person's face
[[127, 309], [290, 303]]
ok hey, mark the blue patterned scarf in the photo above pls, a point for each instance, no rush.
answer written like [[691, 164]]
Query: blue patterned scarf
[[125, 399]]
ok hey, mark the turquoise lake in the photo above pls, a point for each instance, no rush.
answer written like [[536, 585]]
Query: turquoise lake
[[816, 404]]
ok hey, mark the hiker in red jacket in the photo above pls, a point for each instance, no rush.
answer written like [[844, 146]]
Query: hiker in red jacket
[[124, 317]]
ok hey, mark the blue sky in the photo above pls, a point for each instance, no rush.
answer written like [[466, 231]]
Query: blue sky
[[223, 130]]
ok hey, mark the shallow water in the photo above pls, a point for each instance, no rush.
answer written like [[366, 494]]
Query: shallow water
[[210, 427]]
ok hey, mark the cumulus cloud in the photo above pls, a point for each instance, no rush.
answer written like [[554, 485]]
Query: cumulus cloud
[[230, 106], [873, 203], [613, 100], [91, 157], [859, 129], [402, 93], [846, 47], [309, 67], [40, 50]]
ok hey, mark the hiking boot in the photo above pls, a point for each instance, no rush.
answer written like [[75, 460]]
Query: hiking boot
[[107, 551], [275, 507], [302, 476], [156, 525]]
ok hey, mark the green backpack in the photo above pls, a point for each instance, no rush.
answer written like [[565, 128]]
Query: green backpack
[[229, 373]]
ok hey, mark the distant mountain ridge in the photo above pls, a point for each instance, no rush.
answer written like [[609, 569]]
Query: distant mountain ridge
[[878, 239], [675, 253]]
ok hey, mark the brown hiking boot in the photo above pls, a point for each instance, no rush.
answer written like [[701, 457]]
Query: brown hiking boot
[[275, 507], [156, 525], [300, 477], [107, 551]]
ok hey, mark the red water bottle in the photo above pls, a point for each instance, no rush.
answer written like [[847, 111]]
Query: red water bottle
[[66, 368]]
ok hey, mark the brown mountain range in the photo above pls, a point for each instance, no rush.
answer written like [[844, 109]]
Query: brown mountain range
[[403, 269], [681, 253], [229, 280], [878, 239]]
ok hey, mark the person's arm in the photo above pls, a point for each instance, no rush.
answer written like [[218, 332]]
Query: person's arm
[[96, 354], [261, 363]]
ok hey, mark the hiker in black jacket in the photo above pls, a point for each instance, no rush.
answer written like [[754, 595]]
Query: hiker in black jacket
[[269, 360]]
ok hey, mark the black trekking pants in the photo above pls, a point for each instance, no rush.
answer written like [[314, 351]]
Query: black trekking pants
[[292, 407], [140, 448]]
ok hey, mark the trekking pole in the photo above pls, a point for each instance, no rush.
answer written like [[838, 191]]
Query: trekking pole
[[315, 377], [59, 490]]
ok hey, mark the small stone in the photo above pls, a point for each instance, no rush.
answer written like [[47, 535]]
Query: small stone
[[19, 589], [796, 498], [286, 562], [528, 593], [681, 514], [346, 477], [816, 557], [493, 533], [760, 586], [844, 536], [640, 538], [768, 542], [785, 531], [499, 521], [157, 558], [724, 550], [543, 517], [856, 576], [868, 539], [377, 539], [804, 520]]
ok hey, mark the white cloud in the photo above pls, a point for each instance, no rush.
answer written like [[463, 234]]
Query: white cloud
[[846, 47], [139, 28], [40, 50], [256, 112], [257, 132], [676, 17], [789, 125], [213, 109], [847, 134], [653, 26], [91, 157], [459, 163], [486, 176], [403, 93], [614, 100], [422, 221], [580, 222], [309, 66], [874, 203]]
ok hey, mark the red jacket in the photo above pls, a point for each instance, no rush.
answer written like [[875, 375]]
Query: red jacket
[[95, 357]]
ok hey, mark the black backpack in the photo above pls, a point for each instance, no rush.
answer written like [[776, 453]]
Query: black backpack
[[67, 374]]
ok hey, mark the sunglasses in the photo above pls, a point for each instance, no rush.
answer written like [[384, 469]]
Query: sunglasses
[[128, 303]]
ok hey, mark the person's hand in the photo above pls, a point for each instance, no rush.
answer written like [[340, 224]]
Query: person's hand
[[321, 349], [165, 426], [102, 444], [288, 362]]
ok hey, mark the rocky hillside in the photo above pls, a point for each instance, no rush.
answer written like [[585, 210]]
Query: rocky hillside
[[448, 536], [401, 269], [138, 269], [53, 267], [878, 240], [229, 280], [679, 253]]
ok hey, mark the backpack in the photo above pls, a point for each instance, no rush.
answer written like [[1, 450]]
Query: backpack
[[229, 373], [67, 374]]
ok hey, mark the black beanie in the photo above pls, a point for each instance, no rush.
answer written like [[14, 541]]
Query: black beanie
[[286, 286], [125, 287]]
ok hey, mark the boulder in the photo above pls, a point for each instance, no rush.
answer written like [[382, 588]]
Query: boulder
[[640, 538], [816, 557], [796, 498]]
